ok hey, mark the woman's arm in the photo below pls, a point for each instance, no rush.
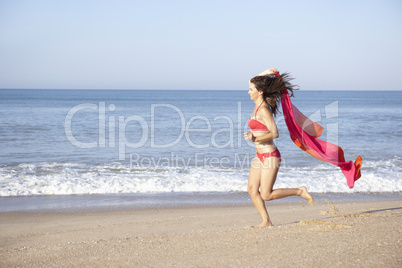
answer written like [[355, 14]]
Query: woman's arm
[[269, 71], [267, 136]]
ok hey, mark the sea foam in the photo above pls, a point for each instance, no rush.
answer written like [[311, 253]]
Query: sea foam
[[73, 178]]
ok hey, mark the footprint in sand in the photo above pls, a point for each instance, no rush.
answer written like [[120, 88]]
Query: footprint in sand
[[331, 226], [310, 222], [322, 225]]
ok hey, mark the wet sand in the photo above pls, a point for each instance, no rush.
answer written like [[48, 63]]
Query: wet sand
[[345, 234]]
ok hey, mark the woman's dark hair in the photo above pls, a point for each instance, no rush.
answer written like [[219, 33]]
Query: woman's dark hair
[[272, 88]]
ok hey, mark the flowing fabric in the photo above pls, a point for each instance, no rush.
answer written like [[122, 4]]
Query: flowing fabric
[[304, 133]]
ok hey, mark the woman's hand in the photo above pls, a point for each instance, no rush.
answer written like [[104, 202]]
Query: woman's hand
[[249, 136], [269, 71], [272, 71]]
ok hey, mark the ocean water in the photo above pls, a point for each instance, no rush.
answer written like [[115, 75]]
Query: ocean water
[[83, 142]]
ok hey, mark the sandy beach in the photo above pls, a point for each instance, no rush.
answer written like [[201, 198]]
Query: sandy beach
[[345, 234]]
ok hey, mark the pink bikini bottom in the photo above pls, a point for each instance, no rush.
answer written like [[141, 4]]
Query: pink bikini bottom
[[275, 153]]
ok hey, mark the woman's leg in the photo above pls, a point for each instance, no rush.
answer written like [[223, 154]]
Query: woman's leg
[[254, 181], [269, 172]]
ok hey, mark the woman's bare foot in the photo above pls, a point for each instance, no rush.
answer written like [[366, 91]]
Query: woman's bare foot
[[264, 224], [305, 194]]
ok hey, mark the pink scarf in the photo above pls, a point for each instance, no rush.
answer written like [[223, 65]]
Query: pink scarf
[[304, 133]]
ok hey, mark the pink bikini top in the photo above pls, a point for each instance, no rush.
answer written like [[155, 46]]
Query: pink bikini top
[[256, 125]]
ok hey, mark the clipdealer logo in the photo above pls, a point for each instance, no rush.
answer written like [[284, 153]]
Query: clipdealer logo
[[109, 123]]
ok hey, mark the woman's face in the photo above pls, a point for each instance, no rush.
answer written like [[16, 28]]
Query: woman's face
[[253, 92]]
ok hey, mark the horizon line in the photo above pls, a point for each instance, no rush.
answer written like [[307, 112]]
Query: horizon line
[[119, 89]]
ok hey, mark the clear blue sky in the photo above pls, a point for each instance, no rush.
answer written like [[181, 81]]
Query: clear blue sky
[[121, 44]]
